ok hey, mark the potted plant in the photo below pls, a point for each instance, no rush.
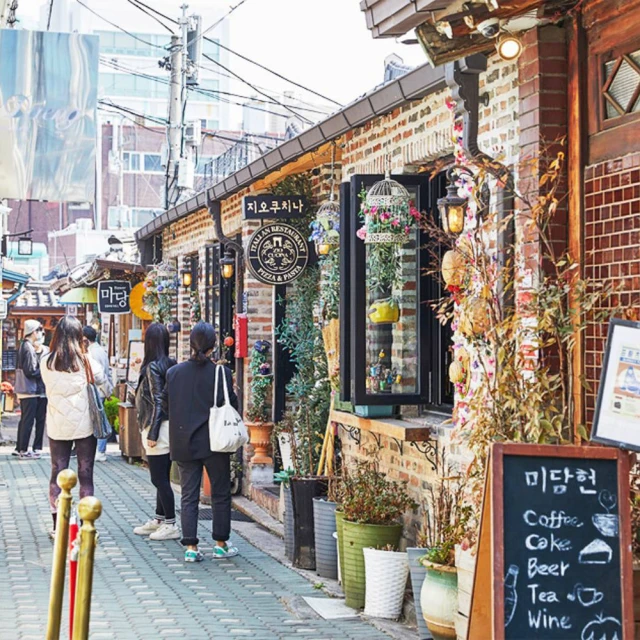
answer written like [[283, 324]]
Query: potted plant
[[324, 526], [445, 525], [372, 510], [386, 572], [259, 411]]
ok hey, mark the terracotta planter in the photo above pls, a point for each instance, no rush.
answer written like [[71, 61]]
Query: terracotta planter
[[260, 439], [439, 600]]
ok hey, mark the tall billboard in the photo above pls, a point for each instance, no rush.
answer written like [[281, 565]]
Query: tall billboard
[[48, 127]]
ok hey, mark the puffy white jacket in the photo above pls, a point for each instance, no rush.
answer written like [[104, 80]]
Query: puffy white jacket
[[68, 416]]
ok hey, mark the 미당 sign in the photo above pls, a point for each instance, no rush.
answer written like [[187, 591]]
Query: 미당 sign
[[277, 254], [554, 554], [270, 206], [113, 296]]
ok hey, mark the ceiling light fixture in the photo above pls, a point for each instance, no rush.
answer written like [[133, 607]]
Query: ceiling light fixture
[[509, 47]]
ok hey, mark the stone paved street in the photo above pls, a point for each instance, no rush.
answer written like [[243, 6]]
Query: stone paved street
[[143, 589]]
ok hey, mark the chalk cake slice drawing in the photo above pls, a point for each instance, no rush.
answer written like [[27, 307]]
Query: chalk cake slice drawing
[[586, 596], [596, 552], [602, 629], [510, 593]]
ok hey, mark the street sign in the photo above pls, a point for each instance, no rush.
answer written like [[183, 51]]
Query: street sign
[[113, 296], [273, 207], [554, 555], [277, 254]]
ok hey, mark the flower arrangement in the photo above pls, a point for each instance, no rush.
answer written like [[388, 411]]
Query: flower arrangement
[[259, 409], [161, 286], [325, 229], [395, 218]]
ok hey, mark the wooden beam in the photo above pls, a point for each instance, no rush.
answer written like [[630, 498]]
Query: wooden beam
[[400, 429]]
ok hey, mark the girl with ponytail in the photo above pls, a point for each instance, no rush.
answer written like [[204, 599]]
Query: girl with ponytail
[[190, 396]]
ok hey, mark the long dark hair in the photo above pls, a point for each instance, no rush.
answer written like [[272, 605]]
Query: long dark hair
[[156, 345], [202, 340], [67, 349]]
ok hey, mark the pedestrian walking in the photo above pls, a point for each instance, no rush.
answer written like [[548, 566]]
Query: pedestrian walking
[[190, 391], [102, 358], [65, 371], [151, 411], [30, 390]]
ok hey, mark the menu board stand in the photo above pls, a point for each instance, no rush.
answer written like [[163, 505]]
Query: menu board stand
[[556, 562]]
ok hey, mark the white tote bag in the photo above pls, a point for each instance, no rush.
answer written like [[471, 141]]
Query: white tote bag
[[227, 432]]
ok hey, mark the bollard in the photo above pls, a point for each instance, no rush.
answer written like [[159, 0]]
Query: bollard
[[89, 510], [66, 480], [74, 542]]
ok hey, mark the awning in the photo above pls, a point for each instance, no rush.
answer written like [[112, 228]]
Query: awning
[[80, 295]]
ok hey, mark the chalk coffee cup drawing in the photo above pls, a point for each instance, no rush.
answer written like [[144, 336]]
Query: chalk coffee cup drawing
[[606, 523], [586, 596]]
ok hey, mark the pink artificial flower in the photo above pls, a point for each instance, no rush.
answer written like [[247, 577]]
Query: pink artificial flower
[[407, 229], [414, 212], [395, 222], [374, 210], [362, 233], [384, 216]]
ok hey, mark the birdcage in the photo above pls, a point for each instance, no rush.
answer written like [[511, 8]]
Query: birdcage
[[388, 207]]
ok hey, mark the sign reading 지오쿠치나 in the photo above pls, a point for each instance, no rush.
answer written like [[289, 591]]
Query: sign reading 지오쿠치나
[[113, 296], [554, 551], [271, 206]]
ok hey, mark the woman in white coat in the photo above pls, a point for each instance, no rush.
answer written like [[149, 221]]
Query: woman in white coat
[[64, 373]]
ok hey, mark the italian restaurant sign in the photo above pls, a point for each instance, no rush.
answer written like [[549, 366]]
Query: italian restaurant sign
[[277, 254], [270, 206]]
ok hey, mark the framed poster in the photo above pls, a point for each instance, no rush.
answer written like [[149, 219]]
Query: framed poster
[[135, 356], [617, 417]]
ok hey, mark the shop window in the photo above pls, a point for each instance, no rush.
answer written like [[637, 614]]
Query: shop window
[[393, 349], [622, 85]]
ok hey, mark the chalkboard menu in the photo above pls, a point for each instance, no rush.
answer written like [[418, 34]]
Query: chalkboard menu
[[558, 539]]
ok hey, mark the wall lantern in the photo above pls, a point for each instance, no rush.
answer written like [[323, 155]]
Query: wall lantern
[[25, 247], [227, 264], [452, 207], [509, 47], [187, 278]]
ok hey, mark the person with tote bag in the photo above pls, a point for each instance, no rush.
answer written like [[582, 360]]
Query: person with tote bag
[[191, 394], [151, 412], [68, 372]]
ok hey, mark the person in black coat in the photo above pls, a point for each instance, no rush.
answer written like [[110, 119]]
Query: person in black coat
[[190, 392]]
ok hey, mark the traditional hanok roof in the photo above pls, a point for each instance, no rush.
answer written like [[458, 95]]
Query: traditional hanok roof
[[38, 295]]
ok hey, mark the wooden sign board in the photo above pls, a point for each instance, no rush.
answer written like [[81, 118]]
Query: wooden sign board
[[554, 554]]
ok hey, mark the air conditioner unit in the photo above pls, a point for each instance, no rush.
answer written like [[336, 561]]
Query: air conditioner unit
[[193, 133], [185, 173]]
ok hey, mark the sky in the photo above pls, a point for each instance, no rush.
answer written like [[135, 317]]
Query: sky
[[322, 44]]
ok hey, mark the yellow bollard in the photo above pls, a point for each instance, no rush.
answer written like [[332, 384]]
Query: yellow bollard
[[89, 510], [66, 480]]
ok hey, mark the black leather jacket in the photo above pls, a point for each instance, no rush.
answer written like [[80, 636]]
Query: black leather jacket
[[151, 405]]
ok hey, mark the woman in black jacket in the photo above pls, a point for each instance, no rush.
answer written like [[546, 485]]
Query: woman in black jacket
[[151, 412], [190, 389]]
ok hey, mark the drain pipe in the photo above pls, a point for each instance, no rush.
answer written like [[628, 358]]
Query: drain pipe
[[463, 78], [214, 211]]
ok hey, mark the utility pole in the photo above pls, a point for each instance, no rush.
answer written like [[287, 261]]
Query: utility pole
[[175, 121]]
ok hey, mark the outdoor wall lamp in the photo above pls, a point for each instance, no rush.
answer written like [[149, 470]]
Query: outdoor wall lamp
[[25, 247], [187, 278], [509, 47], [452, 207], [227, 263]]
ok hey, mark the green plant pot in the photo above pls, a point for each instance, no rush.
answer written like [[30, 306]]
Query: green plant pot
[[439, 600], [355, 537]]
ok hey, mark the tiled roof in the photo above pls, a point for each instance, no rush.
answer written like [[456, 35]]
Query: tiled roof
[[38, 295]]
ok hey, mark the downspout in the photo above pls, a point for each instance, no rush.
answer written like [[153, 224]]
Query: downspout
[[214, 211], [463, 78]]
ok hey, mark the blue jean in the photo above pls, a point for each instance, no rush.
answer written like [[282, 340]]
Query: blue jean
[[102, 445]]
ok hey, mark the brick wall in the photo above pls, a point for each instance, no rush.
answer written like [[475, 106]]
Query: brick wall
[[612, 250]]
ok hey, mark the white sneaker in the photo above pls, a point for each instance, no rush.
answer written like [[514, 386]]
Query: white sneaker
[[101, 457], [148, 527], [166, 532]]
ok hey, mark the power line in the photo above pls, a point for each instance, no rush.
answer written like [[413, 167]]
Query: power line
[[135, 4], [50, 12]]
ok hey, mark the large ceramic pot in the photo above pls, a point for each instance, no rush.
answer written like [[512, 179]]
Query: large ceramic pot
[[355, 537], [303, 491], [324, 524], [439, 600], [260, 439], [288, 523], [386, 579], [418, 573], [339, 534]]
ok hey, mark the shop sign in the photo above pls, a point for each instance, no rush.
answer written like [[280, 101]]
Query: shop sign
[[3, 309], [71, 309], [277, 254], [113, 296], [554, 555], [270, 206]]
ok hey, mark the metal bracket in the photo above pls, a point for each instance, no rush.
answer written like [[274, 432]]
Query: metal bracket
[[378, 438], [353, 433], [400, 444], [429, 449]]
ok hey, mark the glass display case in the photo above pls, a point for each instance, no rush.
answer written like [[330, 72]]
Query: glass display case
[[394, 351]]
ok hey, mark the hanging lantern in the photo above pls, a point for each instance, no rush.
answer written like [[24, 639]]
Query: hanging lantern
[[227, 264], [452, 207], [388, 215]]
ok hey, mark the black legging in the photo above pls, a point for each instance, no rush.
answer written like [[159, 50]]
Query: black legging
[[160, 470], [60, 454]]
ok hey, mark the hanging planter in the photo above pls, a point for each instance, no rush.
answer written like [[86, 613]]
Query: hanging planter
[[325, 229], [384, 311], [386, 575], [161, 288]]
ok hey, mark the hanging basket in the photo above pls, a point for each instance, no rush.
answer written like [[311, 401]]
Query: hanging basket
[[386, 238]]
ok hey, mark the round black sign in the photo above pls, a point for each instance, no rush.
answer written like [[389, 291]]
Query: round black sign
[[277, 254]]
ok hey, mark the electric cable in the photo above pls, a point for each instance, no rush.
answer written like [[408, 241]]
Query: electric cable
[[50, 12], [135, 4]]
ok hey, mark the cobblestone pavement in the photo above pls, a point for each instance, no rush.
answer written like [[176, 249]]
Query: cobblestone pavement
[[142, 589]]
